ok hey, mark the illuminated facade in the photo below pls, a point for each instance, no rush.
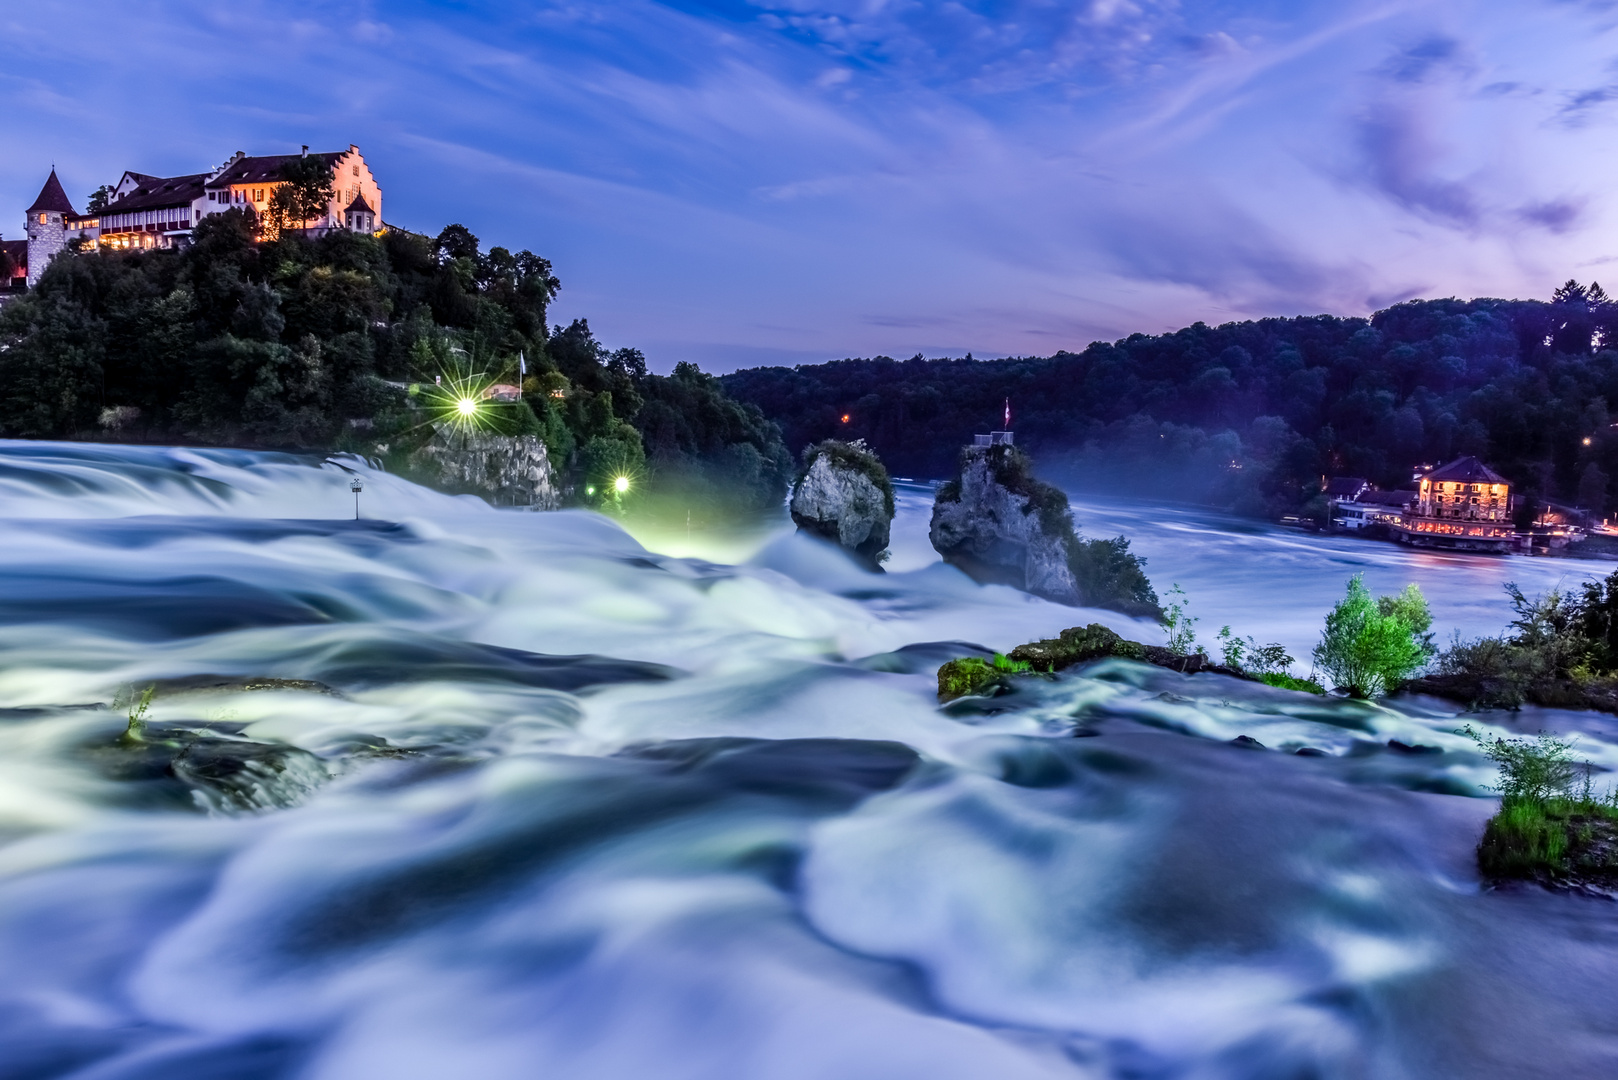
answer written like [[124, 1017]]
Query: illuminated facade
[[1463, 505], [47, 224], [147, 211]]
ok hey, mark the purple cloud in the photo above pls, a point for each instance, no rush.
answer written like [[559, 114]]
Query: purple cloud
[[718, 180], [1401, 157]]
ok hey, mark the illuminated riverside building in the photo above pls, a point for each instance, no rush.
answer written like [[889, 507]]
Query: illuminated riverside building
[[1464, 505], [147, 211]]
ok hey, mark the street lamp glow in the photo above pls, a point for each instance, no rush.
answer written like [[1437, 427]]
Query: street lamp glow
[[621, 484], [466, 406]]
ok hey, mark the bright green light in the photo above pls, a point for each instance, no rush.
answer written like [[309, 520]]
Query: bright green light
[[466, 406], [621, 484], [589, 491]]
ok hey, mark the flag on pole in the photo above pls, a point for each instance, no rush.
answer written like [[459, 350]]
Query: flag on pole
[[522, 365], [1008, 415]]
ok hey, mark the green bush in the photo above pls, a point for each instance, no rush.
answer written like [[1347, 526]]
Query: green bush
[[1109, 575], [1561, 652], [1370, 646], [1182, 625], [1533, 770]]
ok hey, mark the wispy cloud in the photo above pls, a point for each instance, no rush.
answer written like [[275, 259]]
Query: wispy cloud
[[834, 177]]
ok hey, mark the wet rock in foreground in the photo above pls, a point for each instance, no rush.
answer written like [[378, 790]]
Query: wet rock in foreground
[[210, 767]]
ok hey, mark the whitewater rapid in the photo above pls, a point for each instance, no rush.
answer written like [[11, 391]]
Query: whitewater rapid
[[527, 797]]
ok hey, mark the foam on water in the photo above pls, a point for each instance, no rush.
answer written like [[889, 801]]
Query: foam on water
[[524, 797]]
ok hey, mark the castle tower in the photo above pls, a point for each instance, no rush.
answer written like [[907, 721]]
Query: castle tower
[[47, 231]]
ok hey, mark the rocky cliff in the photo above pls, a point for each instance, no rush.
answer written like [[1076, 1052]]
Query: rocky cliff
[[845, 496], [1002, 526], [508, 470]]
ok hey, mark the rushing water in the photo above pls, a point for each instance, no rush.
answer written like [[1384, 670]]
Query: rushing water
[[452, 792]]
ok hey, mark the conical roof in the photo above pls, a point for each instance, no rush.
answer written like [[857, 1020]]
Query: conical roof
[[52, 199], [359, 203]]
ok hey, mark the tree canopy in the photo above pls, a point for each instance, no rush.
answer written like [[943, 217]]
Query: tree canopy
[[313, 342], [1251, 415], [304, 194]]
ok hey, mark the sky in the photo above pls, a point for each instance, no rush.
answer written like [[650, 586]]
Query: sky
[[741, 183]]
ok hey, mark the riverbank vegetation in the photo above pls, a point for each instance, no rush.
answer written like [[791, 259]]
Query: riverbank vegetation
[[315, 343], [1562, 651], [1551, 827], [1250, 415]]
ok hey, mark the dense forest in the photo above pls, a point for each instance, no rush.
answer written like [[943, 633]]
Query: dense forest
[[1251, 415], [323, 343]]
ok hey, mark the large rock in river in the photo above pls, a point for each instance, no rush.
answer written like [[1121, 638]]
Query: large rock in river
[[845, 496], [508, 470], [1002, 526]]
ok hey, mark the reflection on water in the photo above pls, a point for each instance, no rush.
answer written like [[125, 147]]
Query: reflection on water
[[459, 792]]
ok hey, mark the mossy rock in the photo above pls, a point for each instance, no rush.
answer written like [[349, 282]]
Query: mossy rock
[[974, 675], [1076, 645]]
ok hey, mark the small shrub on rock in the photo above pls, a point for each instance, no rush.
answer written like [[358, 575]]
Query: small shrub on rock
[[1550, 827]]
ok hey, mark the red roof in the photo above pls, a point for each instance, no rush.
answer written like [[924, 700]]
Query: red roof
[[267, 169], [1466, 470], [159, 193], [1386, 498], [52, 199]]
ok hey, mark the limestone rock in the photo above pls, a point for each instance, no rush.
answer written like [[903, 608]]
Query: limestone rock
[[508, 470], [1002, 526], [997, 534], [845, 496]]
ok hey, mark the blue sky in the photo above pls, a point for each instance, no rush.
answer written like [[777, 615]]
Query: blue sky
[[738, 183]]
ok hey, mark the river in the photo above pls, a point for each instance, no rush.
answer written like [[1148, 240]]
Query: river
[[456, 792]]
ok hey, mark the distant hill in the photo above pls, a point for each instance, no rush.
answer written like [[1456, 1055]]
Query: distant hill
[[1251, 415]]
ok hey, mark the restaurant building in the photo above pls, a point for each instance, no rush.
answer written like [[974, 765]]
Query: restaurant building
[[1463, 506]]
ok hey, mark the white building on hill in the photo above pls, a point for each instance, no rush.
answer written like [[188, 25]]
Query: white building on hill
[[146, 211]]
